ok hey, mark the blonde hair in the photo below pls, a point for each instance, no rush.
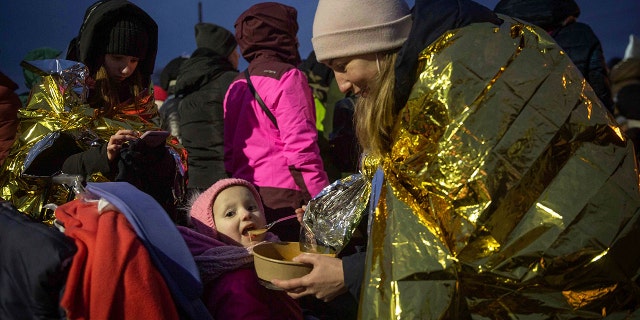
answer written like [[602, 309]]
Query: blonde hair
[[106, 94], [375, 114]]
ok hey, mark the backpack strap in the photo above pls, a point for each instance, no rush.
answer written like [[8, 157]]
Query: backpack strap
[[260, 102]]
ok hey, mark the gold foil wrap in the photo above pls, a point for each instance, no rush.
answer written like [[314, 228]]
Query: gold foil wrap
[[509, 193], [55, 106]]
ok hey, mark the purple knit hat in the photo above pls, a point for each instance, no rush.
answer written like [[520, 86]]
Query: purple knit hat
[[201, 209]]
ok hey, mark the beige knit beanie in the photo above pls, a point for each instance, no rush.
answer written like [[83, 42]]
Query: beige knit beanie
[[343, 28]]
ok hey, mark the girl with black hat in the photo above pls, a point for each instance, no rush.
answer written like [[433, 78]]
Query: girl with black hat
[[118, 43]]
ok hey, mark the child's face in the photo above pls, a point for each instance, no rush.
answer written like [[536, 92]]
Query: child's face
[[235, 212], [120, 67]]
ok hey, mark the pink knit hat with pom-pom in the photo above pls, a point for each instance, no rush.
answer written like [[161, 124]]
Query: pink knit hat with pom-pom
[[201, 209]]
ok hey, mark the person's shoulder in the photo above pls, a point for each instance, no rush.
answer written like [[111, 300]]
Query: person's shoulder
[[272, 69], [228, 76], [576, 34], [581, 27]]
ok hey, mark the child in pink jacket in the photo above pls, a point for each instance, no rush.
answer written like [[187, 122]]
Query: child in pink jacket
[[222, 217]]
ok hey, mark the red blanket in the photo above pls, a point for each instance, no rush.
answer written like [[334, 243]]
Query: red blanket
[[112, 275]]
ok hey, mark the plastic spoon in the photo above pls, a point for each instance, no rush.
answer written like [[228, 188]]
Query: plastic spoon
[[258, 232]]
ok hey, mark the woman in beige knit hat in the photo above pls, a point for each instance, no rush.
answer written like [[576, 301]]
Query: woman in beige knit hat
[[492, 168]]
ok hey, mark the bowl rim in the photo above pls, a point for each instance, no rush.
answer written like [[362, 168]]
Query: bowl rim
[[255, 254]]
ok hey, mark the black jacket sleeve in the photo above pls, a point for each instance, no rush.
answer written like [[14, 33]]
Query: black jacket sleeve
[[35, 260], [88, 162], [353, 269], [170, 118]]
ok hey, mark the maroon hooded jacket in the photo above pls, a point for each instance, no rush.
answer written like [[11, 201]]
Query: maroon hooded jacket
[[9, 105]]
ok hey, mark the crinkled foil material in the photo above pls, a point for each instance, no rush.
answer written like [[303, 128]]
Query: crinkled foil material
[[58, 105], [332, 216], [509, 193]]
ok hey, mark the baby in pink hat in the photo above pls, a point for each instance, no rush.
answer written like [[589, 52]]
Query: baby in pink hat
[[220, 243], [228, 210]]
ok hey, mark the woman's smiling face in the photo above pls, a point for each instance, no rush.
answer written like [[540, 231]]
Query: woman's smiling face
[[354, 74], [236, 212]]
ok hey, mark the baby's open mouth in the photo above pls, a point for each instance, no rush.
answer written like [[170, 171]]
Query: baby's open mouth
[[247, 231]]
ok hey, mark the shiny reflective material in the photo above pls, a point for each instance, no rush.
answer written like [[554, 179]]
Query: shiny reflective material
[[509, 192], [58, 105], [332, 216]]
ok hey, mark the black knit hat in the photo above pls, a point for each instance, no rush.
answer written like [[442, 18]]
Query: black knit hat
[[216, 38], [170, 72], [95, 34], [128, 37]]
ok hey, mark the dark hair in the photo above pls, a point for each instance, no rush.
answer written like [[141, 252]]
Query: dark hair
[[107, 95]]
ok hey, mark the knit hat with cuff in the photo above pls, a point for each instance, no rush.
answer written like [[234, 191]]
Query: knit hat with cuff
[[201, 209], [216, 38], [343, 28], [128, 37]]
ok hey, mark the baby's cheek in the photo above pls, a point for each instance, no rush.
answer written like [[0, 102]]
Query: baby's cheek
[[262, 221]]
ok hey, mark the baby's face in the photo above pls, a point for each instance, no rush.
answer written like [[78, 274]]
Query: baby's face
[[235, 212]]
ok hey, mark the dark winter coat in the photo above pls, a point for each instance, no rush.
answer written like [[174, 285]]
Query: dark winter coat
[[577, 39], [35, 260], [90, 161], [201, 85], [584, 49], [151, 169]]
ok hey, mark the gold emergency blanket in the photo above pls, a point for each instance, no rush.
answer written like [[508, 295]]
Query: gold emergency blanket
[[509, 193], [54, 107]]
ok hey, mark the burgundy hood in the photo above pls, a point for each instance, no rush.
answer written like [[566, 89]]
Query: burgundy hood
[[269, 29]]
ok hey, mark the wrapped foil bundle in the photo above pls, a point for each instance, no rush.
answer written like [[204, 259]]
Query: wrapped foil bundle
[[70, 78], [56, 123], [509, 192], [332, 216]]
